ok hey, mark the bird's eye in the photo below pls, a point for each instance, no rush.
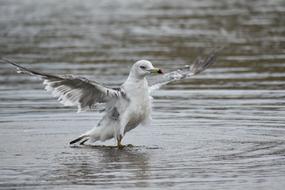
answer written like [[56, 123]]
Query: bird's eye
[[142, 67]]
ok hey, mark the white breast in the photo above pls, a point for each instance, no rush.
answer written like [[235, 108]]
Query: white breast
[[140, 103]]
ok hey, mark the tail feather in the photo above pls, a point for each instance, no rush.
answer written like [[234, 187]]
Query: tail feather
[[78, 139]]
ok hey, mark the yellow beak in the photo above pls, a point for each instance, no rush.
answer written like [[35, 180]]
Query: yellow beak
[[156, 70]]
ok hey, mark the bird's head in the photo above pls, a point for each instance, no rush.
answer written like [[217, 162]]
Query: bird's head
[[143, 68]]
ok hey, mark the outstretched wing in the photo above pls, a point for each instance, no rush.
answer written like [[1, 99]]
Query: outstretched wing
[[73, 91], [199, 65]]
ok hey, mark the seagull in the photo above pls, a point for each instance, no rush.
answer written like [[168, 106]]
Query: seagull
[[125, 107]]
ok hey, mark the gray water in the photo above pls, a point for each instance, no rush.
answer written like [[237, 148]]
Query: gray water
[[223, 129]]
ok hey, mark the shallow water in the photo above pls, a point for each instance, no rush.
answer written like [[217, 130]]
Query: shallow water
[[224, 129]]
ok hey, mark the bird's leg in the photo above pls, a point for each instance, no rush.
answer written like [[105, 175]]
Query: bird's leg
[[119, 139]]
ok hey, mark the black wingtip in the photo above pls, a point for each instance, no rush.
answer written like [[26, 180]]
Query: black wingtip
[[5, 59], [76, 140], [24, 70], [20, 68], [201, 64]]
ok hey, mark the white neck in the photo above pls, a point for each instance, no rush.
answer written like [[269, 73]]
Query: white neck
[[135, 83], [135, 80], [134, 76]]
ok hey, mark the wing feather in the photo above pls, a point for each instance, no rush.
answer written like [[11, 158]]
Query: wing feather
[[186, 72], [73, 91]]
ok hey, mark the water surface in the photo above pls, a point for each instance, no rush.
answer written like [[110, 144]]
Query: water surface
[[224, 129]]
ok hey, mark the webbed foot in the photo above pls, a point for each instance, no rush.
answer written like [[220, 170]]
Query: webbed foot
[[120, 146]]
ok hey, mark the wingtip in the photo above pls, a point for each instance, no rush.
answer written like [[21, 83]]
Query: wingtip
[[8, 60], [200, 64], [20, 69], [76, 140]]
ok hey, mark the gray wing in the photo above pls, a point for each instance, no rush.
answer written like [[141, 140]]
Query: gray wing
[[73, 91], [199, 65]]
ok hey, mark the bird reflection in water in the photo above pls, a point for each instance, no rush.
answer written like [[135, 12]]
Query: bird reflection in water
[[104, 165]]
